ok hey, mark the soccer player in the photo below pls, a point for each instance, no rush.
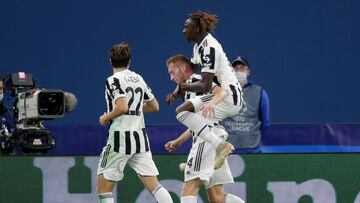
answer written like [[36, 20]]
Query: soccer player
[[127, 97], [215, 67], [200, 162]]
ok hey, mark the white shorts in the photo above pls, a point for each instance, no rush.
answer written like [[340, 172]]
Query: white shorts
[[111, 164], [222, 110], [201, 160]]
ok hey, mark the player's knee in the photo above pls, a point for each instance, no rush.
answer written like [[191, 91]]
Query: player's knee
[[178, 110], [216, 194], [216, 199], [187, 106], [100, 190], [191, 188]]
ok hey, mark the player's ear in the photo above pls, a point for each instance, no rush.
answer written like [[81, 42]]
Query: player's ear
[[197, 29], [110, 61], [129, 63]]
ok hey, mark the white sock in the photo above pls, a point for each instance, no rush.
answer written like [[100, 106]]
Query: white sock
[[198, 124], [189, 199], [230, 198], [162, 195], [106, 197]]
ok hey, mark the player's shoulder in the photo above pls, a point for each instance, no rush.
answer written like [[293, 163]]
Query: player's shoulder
[[133, 77], [209, 41], [137, 75], [110, 78]]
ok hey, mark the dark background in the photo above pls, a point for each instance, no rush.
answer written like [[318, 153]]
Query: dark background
[[304, 53]]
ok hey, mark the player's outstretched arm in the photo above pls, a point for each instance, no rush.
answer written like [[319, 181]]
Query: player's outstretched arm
[[151, 106], [175, 144], [121, 107]]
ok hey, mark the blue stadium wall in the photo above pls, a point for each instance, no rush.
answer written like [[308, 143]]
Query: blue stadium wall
[[305, 53]]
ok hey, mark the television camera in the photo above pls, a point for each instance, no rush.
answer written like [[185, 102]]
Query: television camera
[[31, 107]]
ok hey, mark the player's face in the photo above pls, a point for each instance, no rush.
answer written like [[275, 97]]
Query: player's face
[[175, 73], [189, 30]]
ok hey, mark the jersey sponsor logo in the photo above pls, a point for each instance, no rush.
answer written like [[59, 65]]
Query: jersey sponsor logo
[[208, 57]]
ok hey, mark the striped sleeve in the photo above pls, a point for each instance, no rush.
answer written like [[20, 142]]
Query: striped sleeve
[[208, 59], [115, 89], [148, 95]]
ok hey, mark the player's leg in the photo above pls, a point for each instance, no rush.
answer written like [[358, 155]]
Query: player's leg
[[144, 166], [200, 125], [110, 170], [152, 184], [186, 114], [104, 190], [198, 170], [216, 194], [230, 198], [215, 188], [190, 190]]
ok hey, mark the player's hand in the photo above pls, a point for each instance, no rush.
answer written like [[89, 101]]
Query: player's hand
[[171, 146], [208, 110], [102, 120], [170, 98]]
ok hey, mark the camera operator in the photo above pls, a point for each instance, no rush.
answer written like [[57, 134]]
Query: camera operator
[[6, 124]]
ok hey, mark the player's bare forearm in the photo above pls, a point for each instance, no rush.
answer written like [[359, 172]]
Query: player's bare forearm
[[120, 108], [151, 106], [204, 85], [219, 95], [170, 98], [184, 136], [175, 144]]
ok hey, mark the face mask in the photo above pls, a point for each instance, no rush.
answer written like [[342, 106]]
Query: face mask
[[242, 77], [1, 96]]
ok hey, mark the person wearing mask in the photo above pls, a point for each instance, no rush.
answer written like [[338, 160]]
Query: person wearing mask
[[246, 128]]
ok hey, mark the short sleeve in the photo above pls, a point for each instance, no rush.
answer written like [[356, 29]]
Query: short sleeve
[[148, 95], [208, 59], [114, 88]]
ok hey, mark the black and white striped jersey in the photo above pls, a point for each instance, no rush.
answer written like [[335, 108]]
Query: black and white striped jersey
[[127, 132], [193, 78], [209, 55]]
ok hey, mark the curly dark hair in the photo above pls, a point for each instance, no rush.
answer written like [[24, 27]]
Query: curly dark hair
[[205, 20]]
